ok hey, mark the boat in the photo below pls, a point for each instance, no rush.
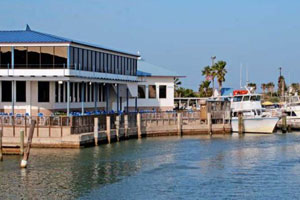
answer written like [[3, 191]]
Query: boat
[[255, 118]]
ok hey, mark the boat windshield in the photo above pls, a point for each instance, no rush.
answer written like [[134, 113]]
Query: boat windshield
[[255, 98], [246, 98], [237, 98]]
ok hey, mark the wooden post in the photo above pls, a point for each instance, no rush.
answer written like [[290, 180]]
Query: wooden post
[[284, 123], [126, 125], [209, 123], [1, 153], [108, 129], [30, 136], [241, 123], [138, 124], [22, 142], [117, 123], [96, 128], [179, 124]]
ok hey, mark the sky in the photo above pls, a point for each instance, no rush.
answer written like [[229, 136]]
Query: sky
[[259, 35]]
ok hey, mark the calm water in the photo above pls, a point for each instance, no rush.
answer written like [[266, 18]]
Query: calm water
[[222, 167]]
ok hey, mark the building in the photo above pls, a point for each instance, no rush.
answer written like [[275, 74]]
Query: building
[[43, 73], [155, 87]]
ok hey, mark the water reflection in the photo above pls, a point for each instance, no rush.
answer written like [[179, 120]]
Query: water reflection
[[160, 168]]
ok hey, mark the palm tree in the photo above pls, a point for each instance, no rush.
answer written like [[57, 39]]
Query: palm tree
[[204, 88], [295, 87], [177, 82], [220, 72], [263, 87], [270, 87], [252, 85]]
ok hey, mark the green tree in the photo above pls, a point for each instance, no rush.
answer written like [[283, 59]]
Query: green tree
[[177, 82], [204, 89], [183, 92], [220, 72], [270, 87], [252, 85], [263, 87]]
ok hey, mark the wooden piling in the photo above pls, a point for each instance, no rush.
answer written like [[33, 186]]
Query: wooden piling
[[138, 124], [108, 129], [126, 126], [179, 124], [1, 150], [284, 123], [209, 123], [30, 136], [96, 128], [240, 123], [117, 123], [22, 142]]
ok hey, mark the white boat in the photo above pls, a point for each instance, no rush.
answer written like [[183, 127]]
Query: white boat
[[255, 118]]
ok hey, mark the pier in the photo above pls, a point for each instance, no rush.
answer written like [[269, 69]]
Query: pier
[[78, 131]]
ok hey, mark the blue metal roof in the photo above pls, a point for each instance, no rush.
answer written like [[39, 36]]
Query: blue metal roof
[[147, 69], [30, 36]]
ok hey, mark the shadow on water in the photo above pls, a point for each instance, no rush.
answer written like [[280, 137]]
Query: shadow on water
[[160, 168]]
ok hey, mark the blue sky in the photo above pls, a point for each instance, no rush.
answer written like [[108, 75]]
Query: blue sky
[[178, 35]]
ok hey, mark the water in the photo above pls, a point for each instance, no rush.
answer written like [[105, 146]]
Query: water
[[198, 167]]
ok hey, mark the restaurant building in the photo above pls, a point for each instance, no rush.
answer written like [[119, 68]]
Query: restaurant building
[[44, 74]]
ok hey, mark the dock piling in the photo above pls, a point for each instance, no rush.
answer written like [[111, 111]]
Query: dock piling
[[209, 123], [96, 128], [118, 127], [1, 153], [138, 123], [108, 129], [241, 123], [126, 126], [179, 124], [30, 136], [22, 142], [284, 123]]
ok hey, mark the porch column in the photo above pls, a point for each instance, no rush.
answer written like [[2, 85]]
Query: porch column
[[68, 98], [107, 96], [127, 100], [136, 109], [95, 95], [82, 98], [118, 97], [13, 97]]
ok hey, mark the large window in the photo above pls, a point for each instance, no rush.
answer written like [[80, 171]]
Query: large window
[[5, 57], [47, 57], [152, 91], [6, 91], [20, 57], [141, 91], [60, 57], [43, 91], [162, 91], [21, 91], [34, 57]]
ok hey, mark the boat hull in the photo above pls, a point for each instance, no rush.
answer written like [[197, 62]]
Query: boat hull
[[256, 125]]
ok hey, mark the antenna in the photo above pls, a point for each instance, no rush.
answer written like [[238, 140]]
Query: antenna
[[247, 76]]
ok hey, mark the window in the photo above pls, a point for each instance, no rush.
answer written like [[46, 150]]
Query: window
[[56, 91], [34, 57], [60, 57], [90, 67], [246, 98], [20, 54], [101, 62], [85, 60], [97, 62], [6, 91], [152, 91], [162, 91], [80, 59], [21, 91], [141, 91], [61, 92], [99, 93], [5, 57], [43, 91], [47, 57], [237, 98], [75, 92], [76, 61]]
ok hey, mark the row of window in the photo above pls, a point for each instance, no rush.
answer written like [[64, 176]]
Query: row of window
[[89, 60], [162, 92], [34, 57], [56, 57], [76, 90]]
